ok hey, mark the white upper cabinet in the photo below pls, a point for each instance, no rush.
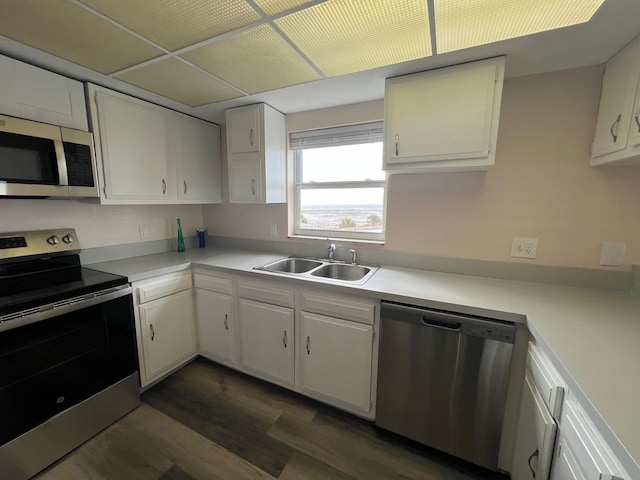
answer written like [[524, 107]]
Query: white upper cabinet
[[243, 127], [256, 146], [617, 136], [445, 119], [134, 146], [36, 94], [152, 155], [196, 154]]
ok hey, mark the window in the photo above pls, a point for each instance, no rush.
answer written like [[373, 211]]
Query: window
[[339, 182]]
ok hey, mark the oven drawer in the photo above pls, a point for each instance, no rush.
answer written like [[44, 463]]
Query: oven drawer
[[167, 285]]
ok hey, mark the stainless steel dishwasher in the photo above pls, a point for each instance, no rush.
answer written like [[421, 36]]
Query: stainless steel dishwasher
[[442, 380]]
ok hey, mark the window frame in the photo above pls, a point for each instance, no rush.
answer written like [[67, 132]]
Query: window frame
[[299, 185]]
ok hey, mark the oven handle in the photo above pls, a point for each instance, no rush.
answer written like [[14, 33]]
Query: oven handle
[[33, 315]]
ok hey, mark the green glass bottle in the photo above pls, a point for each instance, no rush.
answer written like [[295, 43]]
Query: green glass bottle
[[180, 238]]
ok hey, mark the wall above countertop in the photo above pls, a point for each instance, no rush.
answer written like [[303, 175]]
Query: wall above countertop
[[541, 185]]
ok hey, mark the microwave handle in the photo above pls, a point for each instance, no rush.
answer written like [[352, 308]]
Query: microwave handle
[[62, 162]]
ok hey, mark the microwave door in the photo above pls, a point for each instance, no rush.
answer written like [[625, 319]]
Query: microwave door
[[31, 157], [80, 163]]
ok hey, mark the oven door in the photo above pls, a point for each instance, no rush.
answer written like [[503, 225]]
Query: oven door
[[31, 159], [65, 378]]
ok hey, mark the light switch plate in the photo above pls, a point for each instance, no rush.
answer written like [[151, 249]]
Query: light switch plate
[[612, 254]]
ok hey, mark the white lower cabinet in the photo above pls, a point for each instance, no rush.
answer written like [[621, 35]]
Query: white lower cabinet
[[165, 325], [267, 339], [336, 359], [536, 436], [214, 312]]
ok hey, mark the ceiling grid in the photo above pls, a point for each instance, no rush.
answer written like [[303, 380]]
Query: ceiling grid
[[198, 52]]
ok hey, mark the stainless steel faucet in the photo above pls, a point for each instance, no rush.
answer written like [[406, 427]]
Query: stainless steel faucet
[[353, 256], [332, 250]]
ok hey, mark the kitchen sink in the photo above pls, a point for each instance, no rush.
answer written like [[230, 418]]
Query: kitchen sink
[[342, 271], [291, 265], [321, 270]]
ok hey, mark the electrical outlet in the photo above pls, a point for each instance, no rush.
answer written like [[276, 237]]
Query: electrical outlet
[[144, 232], [524, 247], [273, 229]]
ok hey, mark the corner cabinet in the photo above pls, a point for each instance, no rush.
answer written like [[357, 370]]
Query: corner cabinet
[[617, 136], [445, 119], [152, 155], [256, 154], [165, 325]]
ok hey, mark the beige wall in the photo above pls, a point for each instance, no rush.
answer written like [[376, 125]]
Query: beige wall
[[541, 186], [99, 225]]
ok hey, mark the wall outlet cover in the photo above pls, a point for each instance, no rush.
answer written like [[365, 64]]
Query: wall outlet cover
[[524, 247], [612, 254]]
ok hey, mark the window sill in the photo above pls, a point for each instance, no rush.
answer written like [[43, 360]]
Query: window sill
[[337, 239]]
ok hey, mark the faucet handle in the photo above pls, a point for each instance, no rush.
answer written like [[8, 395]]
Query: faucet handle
[[353, 256]]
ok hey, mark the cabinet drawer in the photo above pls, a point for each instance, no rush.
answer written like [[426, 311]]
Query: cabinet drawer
[[590, 452], [267, 294], [339, 306], [163, 287], [214, 284], [547, 380]]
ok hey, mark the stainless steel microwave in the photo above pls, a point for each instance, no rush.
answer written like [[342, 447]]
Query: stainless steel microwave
[[41, 160]]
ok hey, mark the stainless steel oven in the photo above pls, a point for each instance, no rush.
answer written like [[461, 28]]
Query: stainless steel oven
[[41, 160], [68, 361]]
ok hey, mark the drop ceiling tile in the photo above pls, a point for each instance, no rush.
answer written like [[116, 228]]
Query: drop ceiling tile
[[174, 79], [468, 23], [174, 24], [254, 61], [66, 30], [274, 7], [347, 36]]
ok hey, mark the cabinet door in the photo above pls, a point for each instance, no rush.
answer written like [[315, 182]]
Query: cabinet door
[[243, 129], [215, 325], [134, 144], [47, 97], [565, 466], [196, 152], [440, 115], [536, 437], [616, 104], [634, 128], [267, 339], [336, 359], [245, 180], [168, 333]]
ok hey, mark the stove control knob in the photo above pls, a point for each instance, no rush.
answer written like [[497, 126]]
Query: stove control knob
[[68, 239], [53, 240]]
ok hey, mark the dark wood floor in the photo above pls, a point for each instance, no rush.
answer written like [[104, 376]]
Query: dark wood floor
[[209, 422]]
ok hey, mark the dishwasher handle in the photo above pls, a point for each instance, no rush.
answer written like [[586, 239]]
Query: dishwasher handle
[[429, 321]]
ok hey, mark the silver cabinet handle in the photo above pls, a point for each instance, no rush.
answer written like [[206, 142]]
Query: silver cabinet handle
[[226, 321], [185, 186], [531, 457], [164, 186], [284, 339], [251, 137], [637, 117], [615, 124], [253, 186], [153, 333], [308, 345], [397, 141]]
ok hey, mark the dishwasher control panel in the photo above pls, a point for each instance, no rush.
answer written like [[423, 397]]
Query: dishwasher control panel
[[493, 332]]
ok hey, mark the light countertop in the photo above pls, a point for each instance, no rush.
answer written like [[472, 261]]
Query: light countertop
[[591, 336]]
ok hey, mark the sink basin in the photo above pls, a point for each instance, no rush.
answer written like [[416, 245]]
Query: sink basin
[[342, 271], [291, 265]]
